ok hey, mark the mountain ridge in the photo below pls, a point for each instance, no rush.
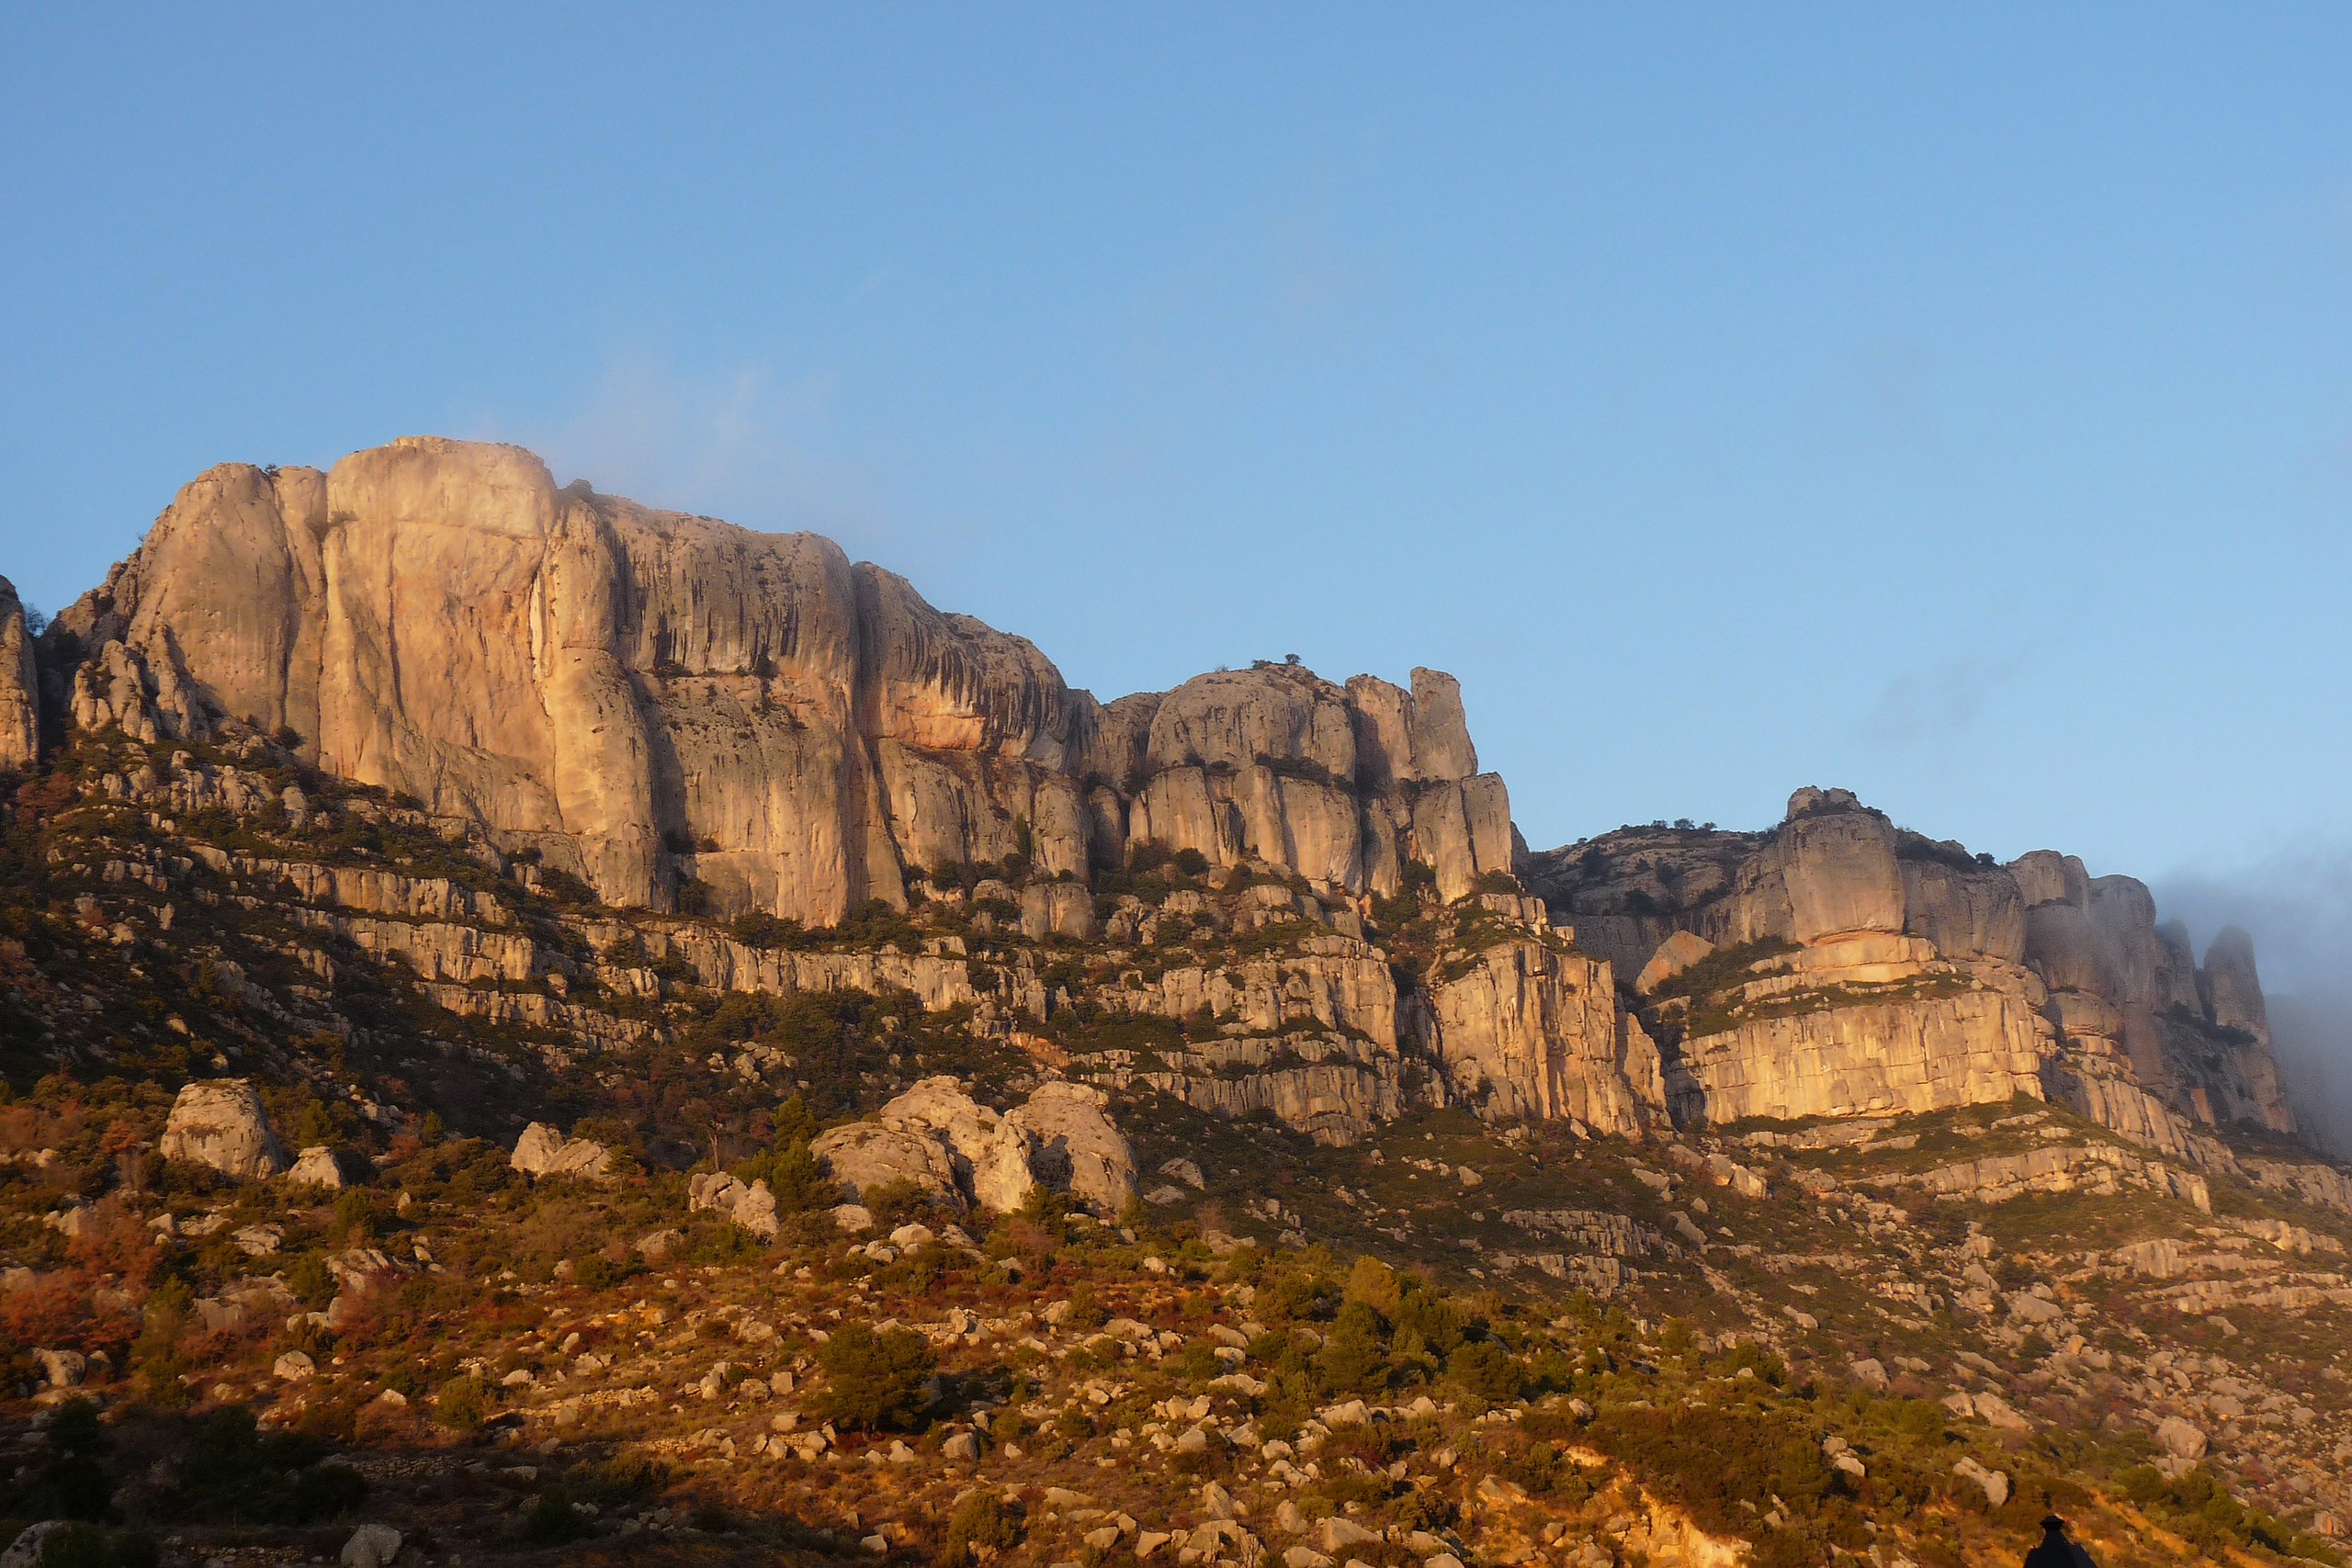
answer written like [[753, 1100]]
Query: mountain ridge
[[1761, 1197]]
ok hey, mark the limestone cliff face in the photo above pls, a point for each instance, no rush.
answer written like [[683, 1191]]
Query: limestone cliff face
[[662, 704], [1346, 785], [698, 718], [19, 685], [1530, 1027], [2125, 989], [1896, 971]]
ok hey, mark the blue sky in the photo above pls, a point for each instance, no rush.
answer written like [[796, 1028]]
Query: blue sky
[[1953, 403]]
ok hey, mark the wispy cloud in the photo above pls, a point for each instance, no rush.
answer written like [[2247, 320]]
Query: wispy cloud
[[1938, 701], [743, 444]]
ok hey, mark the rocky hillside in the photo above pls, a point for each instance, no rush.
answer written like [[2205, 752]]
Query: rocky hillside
[[454, 931]]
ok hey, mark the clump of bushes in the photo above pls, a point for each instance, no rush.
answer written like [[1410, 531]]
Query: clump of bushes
[[981, 1520], [874, 1381], [462, 1404]]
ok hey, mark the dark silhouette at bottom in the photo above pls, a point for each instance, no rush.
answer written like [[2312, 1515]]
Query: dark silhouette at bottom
[[2056, 1551]]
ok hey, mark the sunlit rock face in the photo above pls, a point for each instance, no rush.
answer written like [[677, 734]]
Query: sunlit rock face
[[659, 703], [688, 714], [19, 686], [1888, 972]]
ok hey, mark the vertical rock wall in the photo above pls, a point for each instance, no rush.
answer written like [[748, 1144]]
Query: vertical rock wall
[[19, 686], [653, 700]]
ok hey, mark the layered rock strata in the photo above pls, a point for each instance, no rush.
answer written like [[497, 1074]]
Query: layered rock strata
[[672, 706], [1877, 970], [696, 718]]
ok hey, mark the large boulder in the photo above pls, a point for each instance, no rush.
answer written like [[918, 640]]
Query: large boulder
[[543, 1151], [220, 1122], [864, 1155], [1079, 1149], [372, 1546], [991, 1155]]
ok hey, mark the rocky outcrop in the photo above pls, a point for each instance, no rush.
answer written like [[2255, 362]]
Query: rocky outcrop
[[670, 706], [220, 1122], [1531, 1028], [544, 1151], [751, 1206], [1077, 1147], [1335, 1090], [955, 1151], [19, 686], [1920, 1054], [1915, 976], [2122, 987], [1338, 982], [990, 1154]]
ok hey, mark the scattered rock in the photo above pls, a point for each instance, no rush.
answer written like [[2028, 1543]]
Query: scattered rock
[[2181, 1439], [317, 1167]]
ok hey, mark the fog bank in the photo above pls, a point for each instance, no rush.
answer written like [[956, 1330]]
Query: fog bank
[[2298, 905]]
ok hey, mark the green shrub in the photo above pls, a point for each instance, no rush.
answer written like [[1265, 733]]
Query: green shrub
[[1353, 1360], [462, 1404], [85, 1546], [68, 1480], [229, 1468], [553, 1520], [874, 1380], [1485, 1370], [981, 1520]]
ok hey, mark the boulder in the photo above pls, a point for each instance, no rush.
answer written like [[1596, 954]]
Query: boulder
[[990, 1154], [543, 1151], [31, 1544], [372, 1546], [752, 1207], [1994, 1483], [2181, 1439], [863, 1156], [317, 1167], [1078, 1149], [1186, 1171], [220, 1122]]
